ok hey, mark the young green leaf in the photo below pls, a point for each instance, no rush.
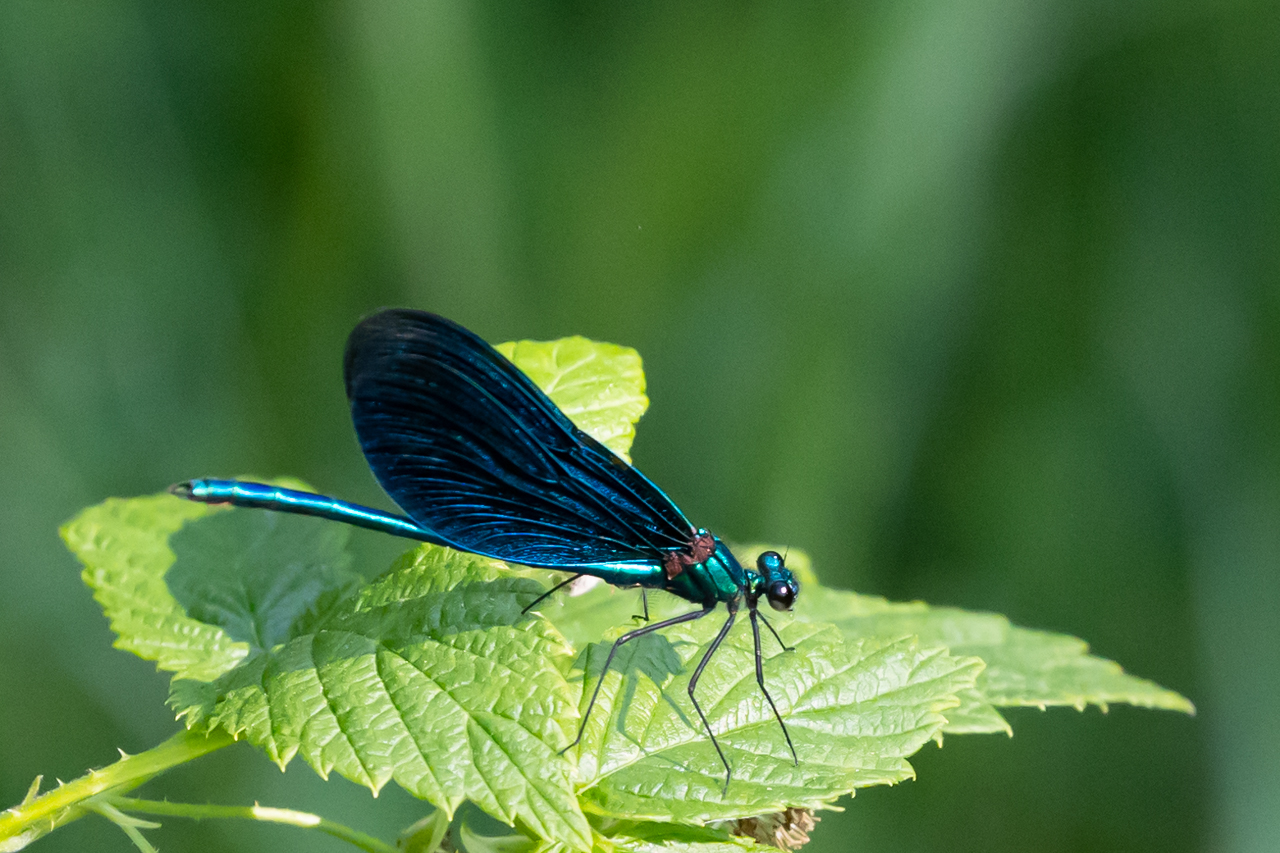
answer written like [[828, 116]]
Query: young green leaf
[[631, 836], [124, 547], [599, 386], [855, 712], [426, 835], [975, 716], [474, 842], [1024, 667], [260, 576], [626, 836], [430, 677], [1040, 668]]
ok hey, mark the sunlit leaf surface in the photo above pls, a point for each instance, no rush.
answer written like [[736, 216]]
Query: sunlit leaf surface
[[855, 712], [599, 386], [124, 546], [429, 677]]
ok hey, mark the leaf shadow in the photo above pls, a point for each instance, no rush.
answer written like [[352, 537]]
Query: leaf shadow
[[652, 655], [471, 605], [259, 575], [267, 578]]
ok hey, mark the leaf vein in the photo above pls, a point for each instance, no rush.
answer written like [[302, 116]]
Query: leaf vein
[[408, 730], [333, 710]]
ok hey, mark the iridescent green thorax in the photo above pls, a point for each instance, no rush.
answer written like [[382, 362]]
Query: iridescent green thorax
[[719, 578]]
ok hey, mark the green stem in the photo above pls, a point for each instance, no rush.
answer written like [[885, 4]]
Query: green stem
[[38, 815], [266, 814]]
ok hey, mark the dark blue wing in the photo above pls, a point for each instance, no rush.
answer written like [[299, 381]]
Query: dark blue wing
[[475, 452]]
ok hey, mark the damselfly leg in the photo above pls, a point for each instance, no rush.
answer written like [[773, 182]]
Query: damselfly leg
[[644, 603], [785, 647], [693, 685], [626, 638], [756, 618], [549, 592]]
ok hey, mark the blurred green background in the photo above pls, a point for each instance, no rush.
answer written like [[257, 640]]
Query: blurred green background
[[978, 301]]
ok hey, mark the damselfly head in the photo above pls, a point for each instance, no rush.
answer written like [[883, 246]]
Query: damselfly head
[[780, 586]]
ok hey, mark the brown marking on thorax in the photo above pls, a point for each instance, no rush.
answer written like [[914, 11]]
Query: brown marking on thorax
[[697, 551]]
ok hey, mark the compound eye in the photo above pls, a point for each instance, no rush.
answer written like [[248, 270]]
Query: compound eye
[[781, 595]]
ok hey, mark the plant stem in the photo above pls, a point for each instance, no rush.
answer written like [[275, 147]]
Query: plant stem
[[37, 815], [266, 814]]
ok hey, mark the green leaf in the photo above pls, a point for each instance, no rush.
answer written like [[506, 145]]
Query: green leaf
[[599, 386], [1039, 668], [124, 546], [260, 576], [855, 712], [653, 837], [975, 716], [625, 836], [430, 677], [586, 617], [473, 842], [1024, 667], [425, 835], [195, 587]]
